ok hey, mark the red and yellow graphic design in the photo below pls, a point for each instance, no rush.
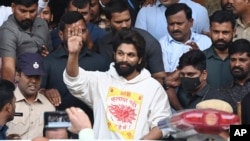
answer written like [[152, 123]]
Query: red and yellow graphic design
[[123, 109]]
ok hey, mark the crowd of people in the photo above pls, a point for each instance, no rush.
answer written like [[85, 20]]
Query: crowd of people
[[119, 67]]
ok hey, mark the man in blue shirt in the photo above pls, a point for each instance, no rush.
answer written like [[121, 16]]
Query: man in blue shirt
[[152, 18], [180, 38], [7, 106]]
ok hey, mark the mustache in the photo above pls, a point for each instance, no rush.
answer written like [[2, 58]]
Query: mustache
[[176, 31], [220, 40], [228, 5], [27, 21], [123, 63], [239, 68]]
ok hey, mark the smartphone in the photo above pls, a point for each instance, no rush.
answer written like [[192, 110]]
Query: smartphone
[[56, 119]]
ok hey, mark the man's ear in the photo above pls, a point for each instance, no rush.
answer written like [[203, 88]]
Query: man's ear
[[7, 108], [60, 33], [13, 7], [17, 77], [204, 75], [191, 22]]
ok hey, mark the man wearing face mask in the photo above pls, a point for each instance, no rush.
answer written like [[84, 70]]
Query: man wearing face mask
[[193, 75], [222, 31]]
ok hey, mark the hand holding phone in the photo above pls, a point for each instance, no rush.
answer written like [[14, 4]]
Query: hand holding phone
[[79, 120]]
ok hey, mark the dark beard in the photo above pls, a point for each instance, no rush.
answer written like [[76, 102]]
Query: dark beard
[[239, 76], [25, 24], [124, 72], [221, 47], [114, 31], [227, 6]]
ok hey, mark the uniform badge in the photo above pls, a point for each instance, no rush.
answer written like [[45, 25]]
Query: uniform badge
[[35, 65]]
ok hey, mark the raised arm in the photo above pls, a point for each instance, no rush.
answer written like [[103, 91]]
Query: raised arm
[[75, 43]]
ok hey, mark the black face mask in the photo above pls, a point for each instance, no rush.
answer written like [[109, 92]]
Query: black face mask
[[190, 84]]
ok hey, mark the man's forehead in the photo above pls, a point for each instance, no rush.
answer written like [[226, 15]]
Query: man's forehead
[[47, 8], [127, 47], [239, 54], [31, 7], [125, 12], [77, 23], [72, 6], [189, 69]]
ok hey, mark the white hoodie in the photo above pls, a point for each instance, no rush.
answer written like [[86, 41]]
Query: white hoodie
[[122, 109]]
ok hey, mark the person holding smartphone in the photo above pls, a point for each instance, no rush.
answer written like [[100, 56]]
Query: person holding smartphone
[[80, 124]]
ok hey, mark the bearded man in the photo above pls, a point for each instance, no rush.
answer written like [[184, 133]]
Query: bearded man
[[222, 31], [22, 32], [127, 102]]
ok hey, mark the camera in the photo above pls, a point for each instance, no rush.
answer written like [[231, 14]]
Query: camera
[[56, 119]]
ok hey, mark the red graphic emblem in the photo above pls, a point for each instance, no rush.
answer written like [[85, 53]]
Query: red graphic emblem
[[122, 113]]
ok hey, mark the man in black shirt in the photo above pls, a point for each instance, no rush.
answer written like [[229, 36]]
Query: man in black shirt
[[239, 53], [194, 87]]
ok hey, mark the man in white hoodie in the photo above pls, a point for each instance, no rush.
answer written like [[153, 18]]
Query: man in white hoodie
[[127, 102]]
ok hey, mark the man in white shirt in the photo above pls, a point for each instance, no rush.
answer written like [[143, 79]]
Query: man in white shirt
[[152, 18], [180, 38]]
